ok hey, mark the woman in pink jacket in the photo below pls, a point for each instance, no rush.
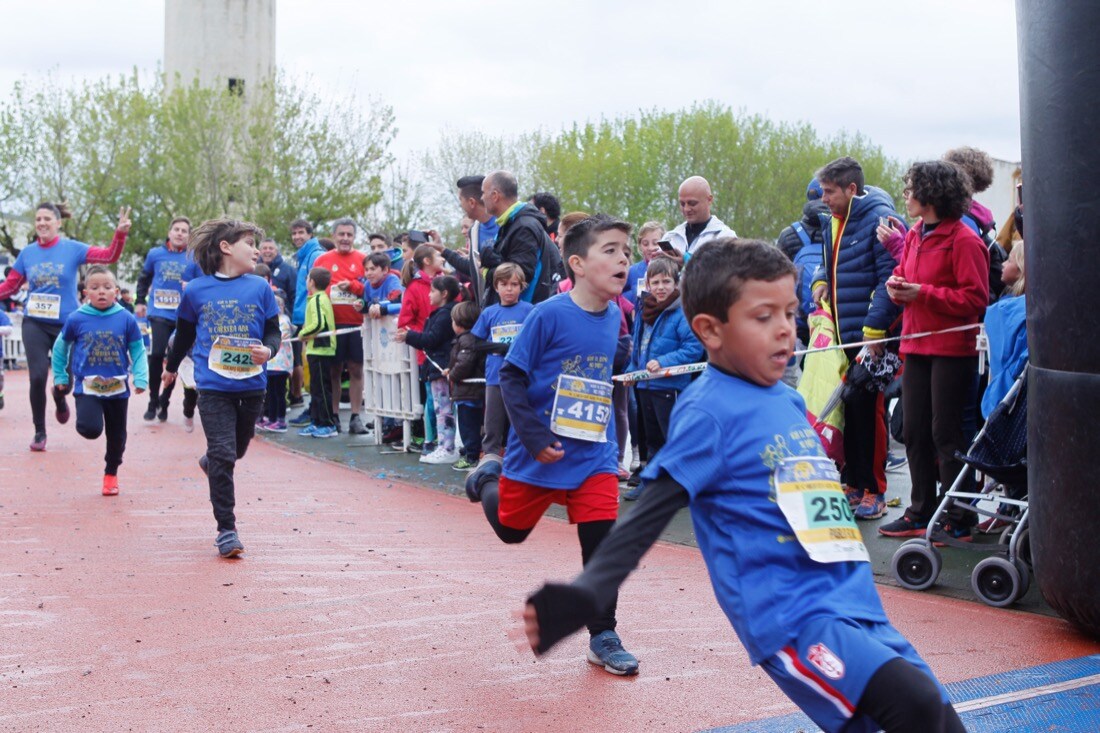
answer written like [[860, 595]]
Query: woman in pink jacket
[[943, 282]]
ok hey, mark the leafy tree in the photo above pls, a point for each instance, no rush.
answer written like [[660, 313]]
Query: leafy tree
[[281, 153]]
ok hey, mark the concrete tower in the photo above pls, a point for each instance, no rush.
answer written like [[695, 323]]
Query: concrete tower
[[229, 42]]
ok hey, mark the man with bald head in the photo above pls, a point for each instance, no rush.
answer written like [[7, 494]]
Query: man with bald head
[[699, 225], [522, 240]]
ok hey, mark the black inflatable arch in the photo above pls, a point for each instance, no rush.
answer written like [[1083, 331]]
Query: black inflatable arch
[[1060, 121]]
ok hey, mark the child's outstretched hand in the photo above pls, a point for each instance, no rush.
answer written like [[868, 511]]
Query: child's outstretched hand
[[260, 354], [62, 389], [139, 390], [551, 453]]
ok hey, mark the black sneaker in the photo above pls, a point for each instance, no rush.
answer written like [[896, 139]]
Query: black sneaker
[[299, 402], [356, 426], [150, 414], [228, 544], [635, 478], [162, 413]]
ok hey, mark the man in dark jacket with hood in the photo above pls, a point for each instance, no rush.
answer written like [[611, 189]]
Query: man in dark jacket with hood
[[851, 284], [522, 239], [283, 274]]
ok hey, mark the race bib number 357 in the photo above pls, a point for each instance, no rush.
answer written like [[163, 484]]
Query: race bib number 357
[[44, 305], [809, 495], [582, 409]]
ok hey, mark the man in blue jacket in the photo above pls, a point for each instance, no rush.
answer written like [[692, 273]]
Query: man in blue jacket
[[308, 250], [851, 284]]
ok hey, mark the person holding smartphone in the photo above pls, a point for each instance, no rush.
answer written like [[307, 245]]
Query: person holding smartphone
[[699, 225]]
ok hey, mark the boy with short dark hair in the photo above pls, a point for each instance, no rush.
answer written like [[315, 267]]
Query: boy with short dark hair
[[786, 560], [467, 362], [320, 354], [556, 385]]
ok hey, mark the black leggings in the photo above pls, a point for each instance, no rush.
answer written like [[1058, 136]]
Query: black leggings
[[162, 328], [903, 699], [38, 339], [275, 402], [590, 534], [96, 415], [229, 422]]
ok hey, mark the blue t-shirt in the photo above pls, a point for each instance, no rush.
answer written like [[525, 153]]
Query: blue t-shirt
[[492, 317], [191, 272], [51, 275], [231, 307], [167, 268], [559, 337], [635, 274], [487, 232], [383, 294], [726, 437], [102, 345]]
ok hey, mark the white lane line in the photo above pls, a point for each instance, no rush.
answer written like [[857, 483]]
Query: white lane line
[[1028, 694]]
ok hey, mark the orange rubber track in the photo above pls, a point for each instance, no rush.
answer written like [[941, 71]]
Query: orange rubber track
[[360, 604]]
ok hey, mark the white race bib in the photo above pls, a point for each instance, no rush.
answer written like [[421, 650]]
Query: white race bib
[[506, 333], [166, 299], [343, 297], [809, 495], [97, 386], [186, 373], [44, 305], [232, 357], [582, 409]]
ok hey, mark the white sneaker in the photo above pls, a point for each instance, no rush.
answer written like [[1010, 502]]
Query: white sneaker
[[440, 456], [189, 424]]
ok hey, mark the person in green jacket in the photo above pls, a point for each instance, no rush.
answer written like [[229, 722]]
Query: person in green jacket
[[316, 333]]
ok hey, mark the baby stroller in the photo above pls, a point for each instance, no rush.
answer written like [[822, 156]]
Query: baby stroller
[[999, 452]]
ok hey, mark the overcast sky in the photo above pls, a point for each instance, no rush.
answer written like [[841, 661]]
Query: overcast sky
[[916, 78]]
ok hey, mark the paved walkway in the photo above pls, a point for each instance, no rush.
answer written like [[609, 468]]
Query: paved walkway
[[366, 603]]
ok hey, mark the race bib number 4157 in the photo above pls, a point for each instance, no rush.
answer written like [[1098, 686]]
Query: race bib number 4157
[[582, 409]]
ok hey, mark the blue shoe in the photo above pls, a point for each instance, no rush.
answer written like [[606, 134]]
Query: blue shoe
[[300, 421], [475, 482], [324, 433], [228, 544], [872, 506], [606, 650], [307, 431], [896, 463]]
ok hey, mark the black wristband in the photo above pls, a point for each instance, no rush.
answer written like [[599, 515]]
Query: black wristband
[[561, 610]]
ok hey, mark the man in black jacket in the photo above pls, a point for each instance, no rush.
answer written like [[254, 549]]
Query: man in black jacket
[[283, 274], [522, 240]]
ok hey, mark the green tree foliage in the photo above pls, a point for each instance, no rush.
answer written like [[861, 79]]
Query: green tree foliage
[[278, 154], [758, 169]]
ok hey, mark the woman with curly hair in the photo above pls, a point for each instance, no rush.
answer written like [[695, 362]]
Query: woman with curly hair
[[943, 282]]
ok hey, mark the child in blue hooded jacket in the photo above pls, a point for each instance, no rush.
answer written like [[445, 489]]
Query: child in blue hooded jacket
[[105, 344]]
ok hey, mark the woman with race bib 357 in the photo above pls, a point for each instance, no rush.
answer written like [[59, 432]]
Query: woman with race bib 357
[[50, 266]]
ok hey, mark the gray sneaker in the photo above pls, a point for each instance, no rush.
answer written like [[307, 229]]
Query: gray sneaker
[[356, 426], [228, 544], [606, 650]]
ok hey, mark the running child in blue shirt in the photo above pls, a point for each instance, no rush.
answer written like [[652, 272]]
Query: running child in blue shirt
[[786, 560], [556, 384], [105, 343], [230, 317], [498, 326]]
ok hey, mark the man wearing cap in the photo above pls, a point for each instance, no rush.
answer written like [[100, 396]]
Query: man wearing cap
[[790, 239], [699, 225]]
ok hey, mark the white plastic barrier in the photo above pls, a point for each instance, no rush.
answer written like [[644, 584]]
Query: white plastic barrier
[[391, 377], [14, 355]]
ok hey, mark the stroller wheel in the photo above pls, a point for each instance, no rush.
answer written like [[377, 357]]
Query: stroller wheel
[[997, 582], [916, 566]]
